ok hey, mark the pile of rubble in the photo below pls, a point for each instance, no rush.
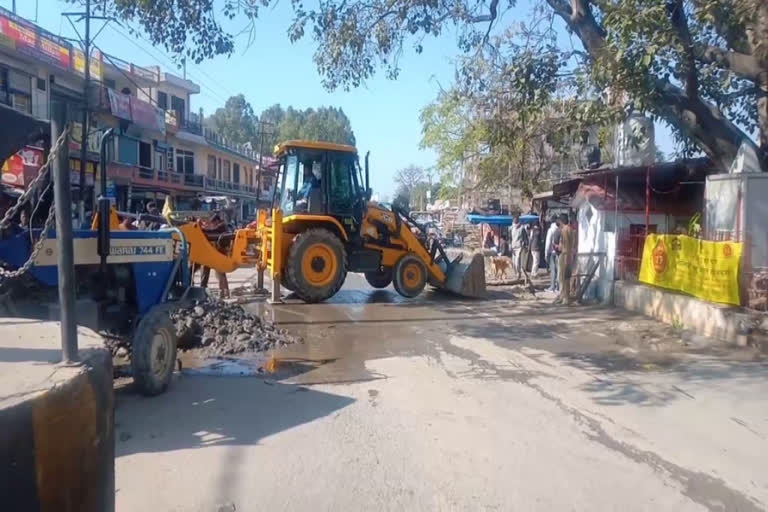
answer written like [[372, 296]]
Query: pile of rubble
[[219, 328]]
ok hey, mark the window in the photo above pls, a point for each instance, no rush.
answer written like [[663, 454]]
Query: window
[[227, 171], [185, 161], [16, 90], [218, 171], [171, 160], [162, 100], [160, 157], [145, 154], [127, 150], [212, 167], [266, 184], [179, 106], [110, 83], [288, 193], [342, 189], [236, 173]]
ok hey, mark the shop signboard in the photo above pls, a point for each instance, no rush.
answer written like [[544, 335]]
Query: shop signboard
[[23, 166], [18, 34]]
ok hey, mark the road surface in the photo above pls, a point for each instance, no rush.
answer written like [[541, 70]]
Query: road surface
[[445, 404]]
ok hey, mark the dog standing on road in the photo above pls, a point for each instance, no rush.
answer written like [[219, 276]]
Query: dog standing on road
[[500, 266]]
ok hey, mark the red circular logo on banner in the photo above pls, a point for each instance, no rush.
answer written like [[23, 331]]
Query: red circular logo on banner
[[660, 259]]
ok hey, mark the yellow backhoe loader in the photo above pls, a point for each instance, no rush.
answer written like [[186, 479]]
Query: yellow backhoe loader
[[326, 225]]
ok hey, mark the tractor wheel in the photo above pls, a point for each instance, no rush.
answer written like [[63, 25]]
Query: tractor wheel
[[379, 279], [317, 265], [410, 276], [154, 352]]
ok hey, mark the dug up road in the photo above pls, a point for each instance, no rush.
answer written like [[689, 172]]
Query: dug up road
[[509, 403]]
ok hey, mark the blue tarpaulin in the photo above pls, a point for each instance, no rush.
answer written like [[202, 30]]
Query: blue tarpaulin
[[500, 220]]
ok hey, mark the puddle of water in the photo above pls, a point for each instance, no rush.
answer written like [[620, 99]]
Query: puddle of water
[[227, 368]]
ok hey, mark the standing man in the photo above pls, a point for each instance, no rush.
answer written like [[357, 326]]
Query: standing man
[[565, 259], [550, 242], [535, 245], [503, 248], [517, 243]]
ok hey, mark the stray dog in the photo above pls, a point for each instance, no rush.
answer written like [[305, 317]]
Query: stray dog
[[500, 266]]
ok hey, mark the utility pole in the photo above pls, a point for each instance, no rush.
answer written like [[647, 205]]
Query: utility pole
[[62, 197], [84, 132], [261, 159], [14, 6]]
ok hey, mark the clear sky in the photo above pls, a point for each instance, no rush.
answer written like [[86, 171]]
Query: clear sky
[[384, 113]]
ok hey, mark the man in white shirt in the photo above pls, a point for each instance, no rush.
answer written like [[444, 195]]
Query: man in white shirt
[[551, 254]]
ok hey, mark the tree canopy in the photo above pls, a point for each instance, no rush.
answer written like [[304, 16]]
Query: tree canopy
[[700, 65], [237, 122]]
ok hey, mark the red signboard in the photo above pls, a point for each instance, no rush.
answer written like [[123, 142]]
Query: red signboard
[[19, 34], [23, 166]]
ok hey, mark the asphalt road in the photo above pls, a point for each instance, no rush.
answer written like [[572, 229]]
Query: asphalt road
[[444, 404]]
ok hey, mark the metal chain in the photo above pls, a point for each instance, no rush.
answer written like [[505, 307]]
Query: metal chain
[[13, 210], [35, 250], [48, 226]]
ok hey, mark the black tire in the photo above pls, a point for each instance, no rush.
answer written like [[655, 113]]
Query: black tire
[[410, 276], [326, 265], [153, 354], [286, 283], [379, 279]]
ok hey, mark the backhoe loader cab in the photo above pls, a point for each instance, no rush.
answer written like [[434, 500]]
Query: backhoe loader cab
[[325, 226], [320, 178]]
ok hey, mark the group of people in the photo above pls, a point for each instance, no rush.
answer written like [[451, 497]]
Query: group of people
[[521, 239], [558, 249]]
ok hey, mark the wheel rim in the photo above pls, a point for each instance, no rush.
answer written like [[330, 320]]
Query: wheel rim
[[412, 276], [161, 353], [319, 265]]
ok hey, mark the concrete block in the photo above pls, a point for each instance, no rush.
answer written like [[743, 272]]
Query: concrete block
[[722, 322], [57, 421]]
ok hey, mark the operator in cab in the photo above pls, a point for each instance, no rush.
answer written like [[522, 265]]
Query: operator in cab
[[310, 194]]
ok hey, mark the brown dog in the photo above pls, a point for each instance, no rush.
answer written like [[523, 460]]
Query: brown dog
[[500, 266]]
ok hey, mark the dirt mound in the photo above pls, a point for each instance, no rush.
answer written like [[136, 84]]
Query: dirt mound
[[219, 328]]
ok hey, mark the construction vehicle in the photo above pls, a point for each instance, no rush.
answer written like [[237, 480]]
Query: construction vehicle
[[127, 282], [326, 225]]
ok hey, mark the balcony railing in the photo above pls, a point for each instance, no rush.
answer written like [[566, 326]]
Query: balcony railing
[[193, 180], [214, 185]]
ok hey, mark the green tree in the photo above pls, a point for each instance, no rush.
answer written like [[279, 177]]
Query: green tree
[[328, 124], [235, 121], [700, 65]]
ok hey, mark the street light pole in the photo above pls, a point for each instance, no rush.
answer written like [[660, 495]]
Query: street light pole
[[84, 127]]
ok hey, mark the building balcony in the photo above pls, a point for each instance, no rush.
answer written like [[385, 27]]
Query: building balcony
[[154, 178], [213, 185]]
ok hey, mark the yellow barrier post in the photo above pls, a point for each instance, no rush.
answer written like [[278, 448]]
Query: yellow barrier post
[[276, 257]]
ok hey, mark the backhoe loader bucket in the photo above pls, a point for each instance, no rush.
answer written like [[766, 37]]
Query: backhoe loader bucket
[[466, 279]]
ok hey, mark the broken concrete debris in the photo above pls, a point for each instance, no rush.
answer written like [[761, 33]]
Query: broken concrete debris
[[219, 328]]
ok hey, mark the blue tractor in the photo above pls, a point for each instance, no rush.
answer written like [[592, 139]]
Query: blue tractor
[[129, 281]]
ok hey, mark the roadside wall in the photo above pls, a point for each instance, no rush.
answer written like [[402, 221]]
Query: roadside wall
[[57, 443]]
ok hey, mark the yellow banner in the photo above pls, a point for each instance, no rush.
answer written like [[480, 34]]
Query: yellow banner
[[708, 270]]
